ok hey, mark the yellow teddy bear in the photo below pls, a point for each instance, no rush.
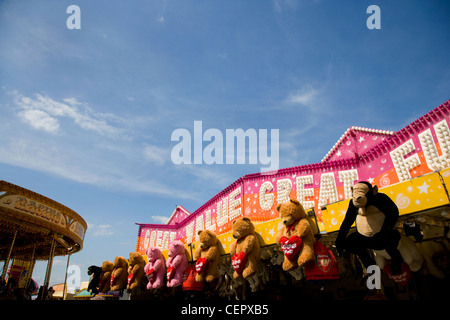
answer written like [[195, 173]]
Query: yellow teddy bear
[[296, 237]]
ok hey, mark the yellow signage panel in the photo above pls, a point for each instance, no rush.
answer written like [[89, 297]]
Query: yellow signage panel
[[334, 214], [445, 174], [422, 193]]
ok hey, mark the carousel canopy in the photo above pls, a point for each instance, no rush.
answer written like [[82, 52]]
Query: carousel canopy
[[37, 220]]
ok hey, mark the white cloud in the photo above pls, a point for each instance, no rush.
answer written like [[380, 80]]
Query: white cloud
[[39, 119], [72, 101], [70, 162], [110, 161], [281, 5], [156, 154], [314, 101], [59, 263], [160, 219], [305, 96], [209, 173], [42, 112], [102, 230], [162, 12]]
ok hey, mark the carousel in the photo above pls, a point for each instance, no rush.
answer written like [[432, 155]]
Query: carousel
[[33, 227]]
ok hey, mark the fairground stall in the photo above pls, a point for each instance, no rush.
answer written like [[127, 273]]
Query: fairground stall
[[33, 227], [411, 166]]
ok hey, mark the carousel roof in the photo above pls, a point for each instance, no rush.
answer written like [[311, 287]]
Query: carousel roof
[[38, 220]]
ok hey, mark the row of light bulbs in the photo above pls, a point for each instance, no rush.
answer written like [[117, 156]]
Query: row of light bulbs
[[303, 193], [401, 165], [347, 177], [327, 190]]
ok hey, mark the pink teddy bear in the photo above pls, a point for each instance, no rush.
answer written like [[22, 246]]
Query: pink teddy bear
[[155, 268], [176, 264]]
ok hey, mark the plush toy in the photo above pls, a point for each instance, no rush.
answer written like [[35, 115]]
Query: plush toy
[[155, 269], [96, 272], [190, 286], [136, 271], [410, 254], [207, 256], [119, 276], [430, 250], [296, 236], [176, 264], [105, 278], [375, 215], [246, 251]]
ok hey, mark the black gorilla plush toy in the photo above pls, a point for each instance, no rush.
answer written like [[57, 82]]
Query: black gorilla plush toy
[[95, 271], [375, 215]]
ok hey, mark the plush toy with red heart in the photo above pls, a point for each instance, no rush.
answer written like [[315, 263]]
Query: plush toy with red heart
[[246, 251], [105, 278], [296, 236], [136, 271], [208, 256], [176, 264], [155, 269], [119, 276]]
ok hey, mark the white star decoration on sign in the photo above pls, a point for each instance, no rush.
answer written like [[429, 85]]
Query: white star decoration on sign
[[424, 188]]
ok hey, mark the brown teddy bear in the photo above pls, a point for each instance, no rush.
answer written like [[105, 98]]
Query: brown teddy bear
[[246, 251], [135, 270], [119, 275], [207, 256], [105, 277], [296, 236]]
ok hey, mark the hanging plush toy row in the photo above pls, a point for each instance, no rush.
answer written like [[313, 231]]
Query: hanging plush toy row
[[296, 238], [298, 252], [176, 270]]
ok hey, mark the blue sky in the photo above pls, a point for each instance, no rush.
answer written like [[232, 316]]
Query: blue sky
[[87, 115]]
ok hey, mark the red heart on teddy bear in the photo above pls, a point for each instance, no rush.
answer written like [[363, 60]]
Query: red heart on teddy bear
[[113, 280], [151, 275], [238, 261], [291, 246], [130, 278], [200, 265], [170, 273]]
